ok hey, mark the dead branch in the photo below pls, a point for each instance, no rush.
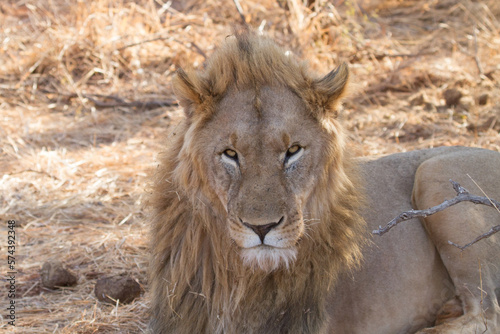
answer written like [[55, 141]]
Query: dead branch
[[463, 195], [196, 48], [240, 11], [116, 101], [153, 104], [405, 55], [143, 42], [492, 231], [476, 53], [190, 45]]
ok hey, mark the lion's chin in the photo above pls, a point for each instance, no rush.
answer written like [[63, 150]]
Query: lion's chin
[[268, 258]]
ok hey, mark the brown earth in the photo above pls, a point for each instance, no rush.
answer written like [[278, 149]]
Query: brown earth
[[85, 100]]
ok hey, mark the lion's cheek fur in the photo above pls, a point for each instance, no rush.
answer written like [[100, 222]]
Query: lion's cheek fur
[[219, 185]]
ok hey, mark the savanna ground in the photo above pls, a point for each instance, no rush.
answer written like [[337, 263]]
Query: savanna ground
[[86, 100]]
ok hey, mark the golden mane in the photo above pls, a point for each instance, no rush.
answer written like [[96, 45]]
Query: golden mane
[[249, 60], [197, 280]]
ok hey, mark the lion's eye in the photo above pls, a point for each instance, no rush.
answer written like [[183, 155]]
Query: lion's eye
[[231, 154], [230, 157], [293, 154], [292, 150]]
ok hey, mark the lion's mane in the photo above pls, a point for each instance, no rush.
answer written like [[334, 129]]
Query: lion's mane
[[198, 282]]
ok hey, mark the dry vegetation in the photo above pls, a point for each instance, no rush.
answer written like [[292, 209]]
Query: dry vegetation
[[85, 99]]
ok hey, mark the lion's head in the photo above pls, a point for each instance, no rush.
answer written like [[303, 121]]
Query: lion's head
[[262, 131], [255, 182]]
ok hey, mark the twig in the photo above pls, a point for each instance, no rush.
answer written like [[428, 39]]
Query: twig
[[404, 55], [132, 104], [196, 48], [240, 11], [485, 195], [118, 101], [476, 53], [191, 45], [462, 196], [492, 231], [143, 42]]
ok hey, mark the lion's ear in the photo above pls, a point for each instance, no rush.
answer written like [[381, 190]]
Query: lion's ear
[[332, 87], [185, 90]]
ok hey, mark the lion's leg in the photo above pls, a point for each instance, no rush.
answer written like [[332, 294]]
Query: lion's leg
[[467, 324], [474, 272]]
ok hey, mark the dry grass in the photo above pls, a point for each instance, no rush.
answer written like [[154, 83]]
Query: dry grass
[[74, 172]]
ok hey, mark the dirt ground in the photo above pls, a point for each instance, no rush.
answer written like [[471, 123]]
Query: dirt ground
[[86, 100]]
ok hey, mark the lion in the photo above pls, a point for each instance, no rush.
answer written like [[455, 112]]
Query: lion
[[261, 217]]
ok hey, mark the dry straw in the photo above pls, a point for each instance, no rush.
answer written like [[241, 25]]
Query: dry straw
[[85, 100]]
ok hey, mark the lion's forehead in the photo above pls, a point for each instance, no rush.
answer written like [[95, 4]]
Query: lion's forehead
[[269, 117]]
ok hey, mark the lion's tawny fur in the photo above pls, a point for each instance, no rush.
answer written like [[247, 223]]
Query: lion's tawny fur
[[248, 60], [198, 283]]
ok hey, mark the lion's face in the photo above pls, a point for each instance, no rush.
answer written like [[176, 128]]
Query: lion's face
[[263, 157]]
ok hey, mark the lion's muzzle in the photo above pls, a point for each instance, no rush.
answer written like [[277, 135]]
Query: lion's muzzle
[[262, 230]]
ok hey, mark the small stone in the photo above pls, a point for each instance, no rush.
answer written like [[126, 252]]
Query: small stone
[[110, 289], [452, 97], [54, 275], [418, 99], [483, 99], [466, 103], [428, 106]]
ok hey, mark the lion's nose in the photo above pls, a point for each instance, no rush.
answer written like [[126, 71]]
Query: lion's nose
[[262, 230]]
